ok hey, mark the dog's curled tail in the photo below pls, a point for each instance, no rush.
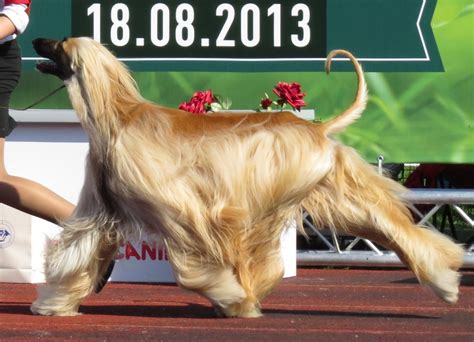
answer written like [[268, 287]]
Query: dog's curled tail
[[340, 122]]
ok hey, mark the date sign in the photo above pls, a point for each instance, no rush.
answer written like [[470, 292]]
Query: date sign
[[247, 35], [205, 30]]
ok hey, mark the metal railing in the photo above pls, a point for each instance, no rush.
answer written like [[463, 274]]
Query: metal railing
[[332, 253]]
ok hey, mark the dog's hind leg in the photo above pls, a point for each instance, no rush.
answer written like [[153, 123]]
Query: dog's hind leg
[[73, 267], [357, 200], [432, 256]]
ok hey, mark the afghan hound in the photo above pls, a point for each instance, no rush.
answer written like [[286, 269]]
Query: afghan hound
[[217, 189]]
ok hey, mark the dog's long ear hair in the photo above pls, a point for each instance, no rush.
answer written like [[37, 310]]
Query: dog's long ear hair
[[107, 87]]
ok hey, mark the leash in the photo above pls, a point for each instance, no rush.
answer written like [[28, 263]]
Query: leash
[[40, 100]]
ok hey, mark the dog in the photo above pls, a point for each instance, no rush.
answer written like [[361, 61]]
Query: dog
[[217, 189]]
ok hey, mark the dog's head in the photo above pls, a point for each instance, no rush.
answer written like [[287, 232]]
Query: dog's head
[[69, 56], [99, 85], [59, 63]]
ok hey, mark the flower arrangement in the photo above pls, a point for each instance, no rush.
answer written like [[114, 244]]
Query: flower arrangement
[[206, 101], [288, 93]]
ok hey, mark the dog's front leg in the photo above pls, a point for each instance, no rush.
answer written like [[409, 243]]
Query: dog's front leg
[[72, 269]]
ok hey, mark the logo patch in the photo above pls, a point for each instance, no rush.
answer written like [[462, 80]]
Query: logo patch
[[7, 234]]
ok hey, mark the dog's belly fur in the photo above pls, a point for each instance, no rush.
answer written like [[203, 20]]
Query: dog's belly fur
[[245, 169]]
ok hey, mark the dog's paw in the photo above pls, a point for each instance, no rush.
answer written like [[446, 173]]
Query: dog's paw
[[446, 285], [242, 310], [37, 309]]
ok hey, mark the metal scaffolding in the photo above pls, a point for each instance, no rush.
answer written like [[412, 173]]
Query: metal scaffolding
[[332, 253]]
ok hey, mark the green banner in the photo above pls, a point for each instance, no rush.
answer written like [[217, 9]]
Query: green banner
[[238, 35], [386, 35]]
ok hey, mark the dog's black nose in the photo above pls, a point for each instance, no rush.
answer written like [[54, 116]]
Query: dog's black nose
[[43, 41], [44, 46], [37, 41]]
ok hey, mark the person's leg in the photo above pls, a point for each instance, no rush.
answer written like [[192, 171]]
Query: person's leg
[[31, 197], [35, 199]]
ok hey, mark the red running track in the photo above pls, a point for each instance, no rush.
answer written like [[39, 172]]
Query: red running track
[[317, 305]]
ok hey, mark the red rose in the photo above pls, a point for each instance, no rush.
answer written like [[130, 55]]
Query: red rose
[[266, 102], [195, 108], [199, 103], [290, 93]]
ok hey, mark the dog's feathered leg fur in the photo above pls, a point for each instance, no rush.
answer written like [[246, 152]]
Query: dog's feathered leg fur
[[72, 271], [76, 262], [365, 204], [218, 284]]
